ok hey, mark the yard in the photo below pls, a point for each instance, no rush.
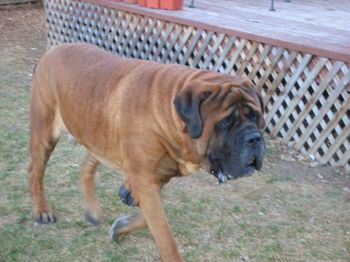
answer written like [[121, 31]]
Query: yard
[[290, 211]]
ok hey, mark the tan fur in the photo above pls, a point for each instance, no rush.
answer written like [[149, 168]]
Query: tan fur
[[122, 111]]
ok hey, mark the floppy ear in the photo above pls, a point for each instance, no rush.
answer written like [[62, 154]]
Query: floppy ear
[[187, 105], [261, 122], [248, 84], [261, 102]]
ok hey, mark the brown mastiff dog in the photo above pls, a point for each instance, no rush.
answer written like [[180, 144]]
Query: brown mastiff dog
[[149, 120]]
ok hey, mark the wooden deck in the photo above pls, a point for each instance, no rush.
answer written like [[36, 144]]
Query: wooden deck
[[320, 27]]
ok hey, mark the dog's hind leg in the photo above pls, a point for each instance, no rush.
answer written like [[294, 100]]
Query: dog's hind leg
[[125, 224], [45, 131], [40, 155], [87, 185]]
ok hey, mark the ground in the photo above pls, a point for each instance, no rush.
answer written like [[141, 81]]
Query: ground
[[290, 211]]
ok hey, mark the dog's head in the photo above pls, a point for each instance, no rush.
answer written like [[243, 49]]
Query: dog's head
[[224, 117]]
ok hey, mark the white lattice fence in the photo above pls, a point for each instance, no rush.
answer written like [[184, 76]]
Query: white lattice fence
[[306, 97]]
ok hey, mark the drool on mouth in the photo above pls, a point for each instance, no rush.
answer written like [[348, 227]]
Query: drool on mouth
[[248, 170]]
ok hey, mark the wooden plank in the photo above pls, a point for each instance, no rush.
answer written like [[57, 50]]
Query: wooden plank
[[346, 156], [235, 56], [340, 138], [311, 102], [149, 26], [268, 70], [261, 60], [196, 35], [299, 70], [203, 47], [110, 29], [246, 61], [324, 109], [119, 40], [298, 95], [170, 44], [165, 36], [328, 129], [281, 74], [180, 47], [213, 50], [223, 56], [153, 39], [139, 28]]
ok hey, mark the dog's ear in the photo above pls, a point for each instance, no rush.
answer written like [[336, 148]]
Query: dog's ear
[[261, 101], [261, 122], [187, 105], [252, 90]]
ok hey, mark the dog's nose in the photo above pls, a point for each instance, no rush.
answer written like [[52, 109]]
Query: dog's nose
[[253, 139]]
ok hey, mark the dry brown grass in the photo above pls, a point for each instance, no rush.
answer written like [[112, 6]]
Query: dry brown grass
[[287, 212]]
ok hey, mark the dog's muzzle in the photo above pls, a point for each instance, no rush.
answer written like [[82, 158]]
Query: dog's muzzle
[[240, 157]]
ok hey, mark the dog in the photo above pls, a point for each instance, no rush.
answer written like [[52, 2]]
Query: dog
[[149, 120]]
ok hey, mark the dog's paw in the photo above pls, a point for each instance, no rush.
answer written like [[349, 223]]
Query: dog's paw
[[44, 218], [92, 219], [126, 197], [115, 232]]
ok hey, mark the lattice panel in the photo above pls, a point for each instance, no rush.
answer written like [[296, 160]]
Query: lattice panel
[[306, 97]]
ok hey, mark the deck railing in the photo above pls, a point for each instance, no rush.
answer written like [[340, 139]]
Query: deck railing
[[307, 97]]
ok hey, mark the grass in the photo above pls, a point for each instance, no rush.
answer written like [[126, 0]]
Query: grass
[[285, 213]]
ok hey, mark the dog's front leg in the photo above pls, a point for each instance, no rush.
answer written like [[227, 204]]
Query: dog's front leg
[[148, 194]]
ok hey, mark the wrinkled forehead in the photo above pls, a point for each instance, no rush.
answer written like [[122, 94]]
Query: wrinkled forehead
[[251, 98], [230, 99]]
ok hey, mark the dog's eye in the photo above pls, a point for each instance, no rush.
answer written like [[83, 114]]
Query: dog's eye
[[225, 123], [253, 116]]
